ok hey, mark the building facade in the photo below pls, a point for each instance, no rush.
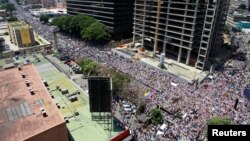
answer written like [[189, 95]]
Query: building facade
[[21, 34], [117, 15], [48, 3], [60, 3], [188, 31]]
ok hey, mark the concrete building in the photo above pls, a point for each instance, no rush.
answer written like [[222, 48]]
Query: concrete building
[[188, 30], [48, 3], [117, 15], [21, 34], [27, 110], [60, 3]]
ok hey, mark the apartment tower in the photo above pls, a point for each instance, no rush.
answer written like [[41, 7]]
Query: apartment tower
[[117, 15], [188, 31]]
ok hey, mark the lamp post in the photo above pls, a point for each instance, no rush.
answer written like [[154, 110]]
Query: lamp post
[[163, 54], [55, 30]]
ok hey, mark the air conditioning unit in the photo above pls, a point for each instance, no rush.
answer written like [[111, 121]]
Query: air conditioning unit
[[43, 112], [27, 83]]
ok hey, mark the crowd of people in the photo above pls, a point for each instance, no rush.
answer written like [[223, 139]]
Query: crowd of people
[[195, 103]]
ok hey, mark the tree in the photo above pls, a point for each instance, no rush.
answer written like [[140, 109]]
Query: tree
[[55, 22], [12, 19], [219, 121], [60, 23], [96, 32], [44, 18], [67, 24], [226, 29], [88, 66], [156, 116], [86, 21], [118, 79], [76, 22], [9, 7], [83, 26], [242, 6]]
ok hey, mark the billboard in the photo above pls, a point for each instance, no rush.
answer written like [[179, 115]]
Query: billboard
[[100, 94]]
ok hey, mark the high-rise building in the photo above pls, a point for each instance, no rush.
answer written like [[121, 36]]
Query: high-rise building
[[21, 34], [60, 3], [117, 15], [188, 30]]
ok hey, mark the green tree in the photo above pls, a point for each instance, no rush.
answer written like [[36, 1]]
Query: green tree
[[9, 7], [83, 26], [60, 23], [76, 22], [96, 32], [86, 21], [226, 29], [67, 24], [242, 6], [219, 121], [44, 18], [55, 22], [156, 116], [12, 19], [88, 66], [118, 79]]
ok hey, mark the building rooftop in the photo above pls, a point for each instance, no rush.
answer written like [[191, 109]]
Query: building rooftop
[[23, 101], [82, 126], [19, 23], [22, 27]]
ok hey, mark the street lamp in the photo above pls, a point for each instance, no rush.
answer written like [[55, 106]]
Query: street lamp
[[56, 29], [163, 54]]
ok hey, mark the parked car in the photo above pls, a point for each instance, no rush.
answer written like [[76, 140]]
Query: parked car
[[161, 129]]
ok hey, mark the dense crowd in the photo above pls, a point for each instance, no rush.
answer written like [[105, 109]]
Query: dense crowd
[[196, 103]]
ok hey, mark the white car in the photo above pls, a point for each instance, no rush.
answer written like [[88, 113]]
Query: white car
[[161, 129]]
